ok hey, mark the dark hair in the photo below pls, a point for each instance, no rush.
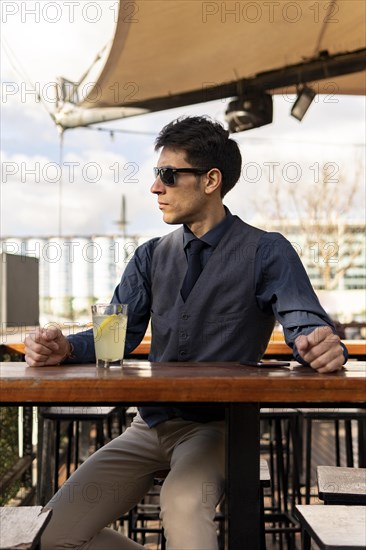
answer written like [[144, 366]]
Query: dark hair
[[206, 145]]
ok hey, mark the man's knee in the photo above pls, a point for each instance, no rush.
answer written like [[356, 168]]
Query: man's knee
[[189, 500]]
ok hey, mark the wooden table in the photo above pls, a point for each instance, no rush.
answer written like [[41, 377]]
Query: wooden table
[[242, 390]]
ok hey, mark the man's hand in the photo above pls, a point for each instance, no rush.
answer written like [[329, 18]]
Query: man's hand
[[46, 347], [321, 349]]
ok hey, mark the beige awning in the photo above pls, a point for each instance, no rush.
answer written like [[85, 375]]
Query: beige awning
[[168, 53]]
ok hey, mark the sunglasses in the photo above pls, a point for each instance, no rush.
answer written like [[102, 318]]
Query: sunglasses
[[167, 175]]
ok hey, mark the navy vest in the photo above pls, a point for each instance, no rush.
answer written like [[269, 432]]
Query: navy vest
[[220, 320]]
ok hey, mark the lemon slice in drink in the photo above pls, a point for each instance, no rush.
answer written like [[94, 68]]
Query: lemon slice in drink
[[104, 323]]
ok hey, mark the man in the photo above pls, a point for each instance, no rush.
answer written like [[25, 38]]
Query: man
[[213, 289]]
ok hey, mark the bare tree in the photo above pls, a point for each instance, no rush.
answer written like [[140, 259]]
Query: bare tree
[[320, 211]]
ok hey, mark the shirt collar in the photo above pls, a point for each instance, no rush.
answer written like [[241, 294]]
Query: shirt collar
[[212, 237]]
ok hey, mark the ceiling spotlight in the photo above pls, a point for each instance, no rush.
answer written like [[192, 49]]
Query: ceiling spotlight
[[249, 111], [303, 101]]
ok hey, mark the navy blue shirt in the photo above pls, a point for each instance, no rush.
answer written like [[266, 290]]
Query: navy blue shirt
[[281, 286]]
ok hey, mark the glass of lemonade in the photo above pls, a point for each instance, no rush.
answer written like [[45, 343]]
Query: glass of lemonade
[[109, 330]]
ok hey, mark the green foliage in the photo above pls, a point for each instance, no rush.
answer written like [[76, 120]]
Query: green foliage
[[9, 450]]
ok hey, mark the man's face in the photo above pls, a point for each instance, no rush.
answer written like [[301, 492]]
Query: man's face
[[186, 200]]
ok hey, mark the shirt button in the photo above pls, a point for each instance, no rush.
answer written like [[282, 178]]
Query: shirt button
[[185, 317], [183, 335], [182, 353]]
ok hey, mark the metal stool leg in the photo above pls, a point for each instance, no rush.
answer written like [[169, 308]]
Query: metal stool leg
[[306, 541], [361, 429], [308, 460], [263, 531], [77, 437], [69, 448], [337, 443], [349, 448], [57, 456]]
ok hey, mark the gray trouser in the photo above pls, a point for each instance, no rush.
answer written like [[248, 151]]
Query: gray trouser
[[118, 475]]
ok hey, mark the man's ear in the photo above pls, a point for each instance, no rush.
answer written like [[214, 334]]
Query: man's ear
[[213, 180]]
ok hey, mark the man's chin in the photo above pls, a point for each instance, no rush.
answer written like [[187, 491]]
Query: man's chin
[[170, 220]]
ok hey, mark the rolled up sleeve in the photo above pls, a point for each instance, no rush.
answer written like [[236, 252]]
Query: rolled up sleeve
[[283, 286]]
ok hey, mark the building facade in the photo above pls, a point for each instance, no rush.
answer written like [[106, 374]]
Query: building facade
[[76, 271]]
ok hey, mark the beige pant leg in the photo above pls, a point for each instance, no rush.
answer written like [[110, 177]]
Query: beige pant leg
[[106, 486], [194, 485]]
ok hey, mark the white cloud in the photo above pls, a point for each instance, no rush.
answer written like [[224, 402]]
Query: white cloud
[[66, 47]]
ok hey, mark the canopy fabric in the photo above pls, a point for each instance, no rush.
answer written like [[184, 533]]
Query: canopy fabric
[[165, 48]]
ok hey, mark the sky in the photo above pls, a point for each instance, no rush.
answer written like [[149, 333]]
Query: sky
[[93, 170]]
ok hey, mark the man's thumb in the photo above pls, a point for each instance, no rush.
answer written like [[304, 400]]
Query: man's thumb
[[51, 334], [302, 343]]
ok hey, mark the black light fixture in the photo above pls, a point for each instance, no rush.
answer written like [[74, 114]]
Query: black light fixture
[[305, 96], [249, 111]]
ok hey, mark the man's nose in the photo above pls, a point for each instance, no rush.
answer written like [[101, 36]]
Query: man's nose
[[158, 186]]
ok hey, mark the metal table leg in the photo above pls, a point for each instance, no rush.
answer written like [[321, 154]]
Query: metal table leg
[[243, 476]]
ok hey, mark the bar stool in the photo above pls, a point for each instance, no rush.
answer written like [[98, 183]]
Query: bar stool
[[332, 527], [335, 416], [284, 449], [337, 485], [74, 416]]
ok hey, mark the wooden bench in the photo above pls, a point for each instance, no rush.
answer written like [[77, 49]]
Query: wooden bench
[[338, 485], [21, 527], [333, 527]]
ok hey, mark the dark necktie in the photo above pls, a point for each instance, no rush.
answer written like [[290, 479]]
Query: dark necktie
[[194, 269]]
